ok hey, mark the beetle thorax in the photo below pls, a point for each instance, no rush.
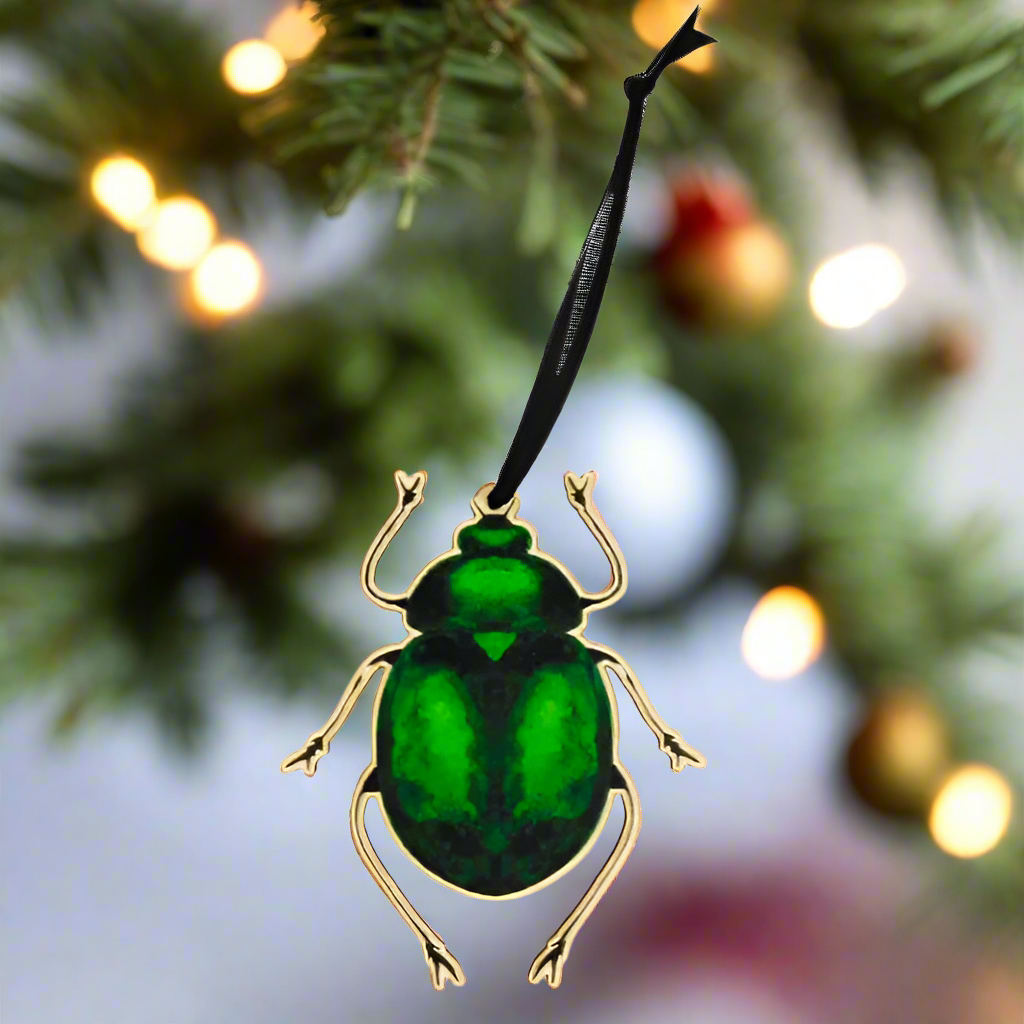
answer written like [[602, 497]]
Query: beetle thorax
[[495, 583]]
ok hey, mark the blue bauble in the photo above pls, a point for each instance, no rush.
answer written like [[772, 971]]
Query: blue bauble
[[666, 485]]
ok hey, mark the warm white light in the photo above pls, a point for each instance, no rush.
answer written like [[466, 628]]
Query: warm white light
[[972, 811], [228, 280], [177, 233], [847, 290], [124, 189], [656, 21], [784, 634], [253, 66], [293, 32]]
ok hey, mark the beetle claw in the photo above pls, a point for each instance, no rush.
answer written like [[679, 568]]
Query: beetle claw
[[580, 488], [442, 965], [679, 754], [410, 486], [307, 757], [548, 964]]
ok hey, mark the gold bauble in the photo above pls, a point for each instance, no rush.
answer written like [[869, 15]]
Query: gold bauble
[[732, 279], [899, 754]]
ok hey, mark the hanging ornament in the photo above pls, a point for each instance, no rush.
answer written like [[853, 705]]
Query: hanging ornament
[[721, 268], [495, 761], [898, 754], [951, 347]]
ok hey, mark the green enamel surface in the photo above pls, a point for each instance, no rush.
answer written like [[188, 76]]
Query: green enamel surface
[[485, 590], [434, 746], [555, 744], [494, 772], [508, 536], [494, 583], [494, 731], [494, 645]]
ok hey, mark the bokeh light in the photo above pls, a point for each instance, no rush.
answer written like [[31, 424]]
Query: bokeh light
[[784, 634], [178, 233], [227, 281], [848, 289], [253, 66], [971, 811], [293, 32], [124, 189], [656, 21]]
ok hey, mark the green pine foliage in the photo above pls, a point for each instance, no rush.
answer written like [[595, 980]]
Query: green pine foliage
[[176, 498], [109, 79], [941, 80], [408, 94]]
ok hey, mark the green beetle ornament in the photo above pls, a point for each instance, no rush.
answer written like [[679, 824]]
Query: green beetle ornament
[[495, 730]]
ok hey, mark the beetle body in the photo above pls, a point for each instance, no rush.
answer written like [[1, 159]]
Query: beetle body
[[495, 731]]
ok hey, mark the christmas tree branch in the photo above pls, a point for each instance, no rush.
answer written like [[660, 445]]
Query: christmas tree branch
[[225, 474], [414, 96], [938, 80], [109, 82]]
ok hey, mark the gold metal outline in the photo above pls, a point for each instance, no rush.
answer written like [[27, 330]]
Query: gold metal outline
[[548, 964]]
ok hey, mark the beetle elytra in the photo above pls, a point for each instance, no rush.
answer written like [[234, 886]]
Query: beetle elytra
[[495, 729]]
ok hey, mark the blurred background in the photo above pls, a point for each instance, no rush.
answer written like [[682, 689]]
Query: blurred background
[[255, 256]]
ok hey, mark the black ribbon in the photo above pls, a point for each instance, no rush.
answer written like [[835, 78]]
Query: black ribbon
[[570, 333]]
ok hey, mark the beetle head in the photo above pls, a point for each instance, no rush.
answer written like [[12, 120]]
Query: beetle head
[[494, 582], [494, 536], [494, 532]]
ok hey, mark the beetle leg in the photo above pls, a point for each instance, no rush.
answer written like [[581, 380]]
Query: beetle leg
[[550, 961], [410, 495], [320, 742], [581, 496], [441, 964], [679, 752]]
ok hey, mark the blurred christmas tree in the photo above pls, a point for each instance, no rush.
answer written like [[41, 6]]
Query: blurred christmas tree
[[148, 142]]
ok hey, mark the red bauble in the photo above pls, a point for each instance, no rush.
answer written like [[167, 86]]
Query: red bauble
[[721, 267], [704, 208]]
